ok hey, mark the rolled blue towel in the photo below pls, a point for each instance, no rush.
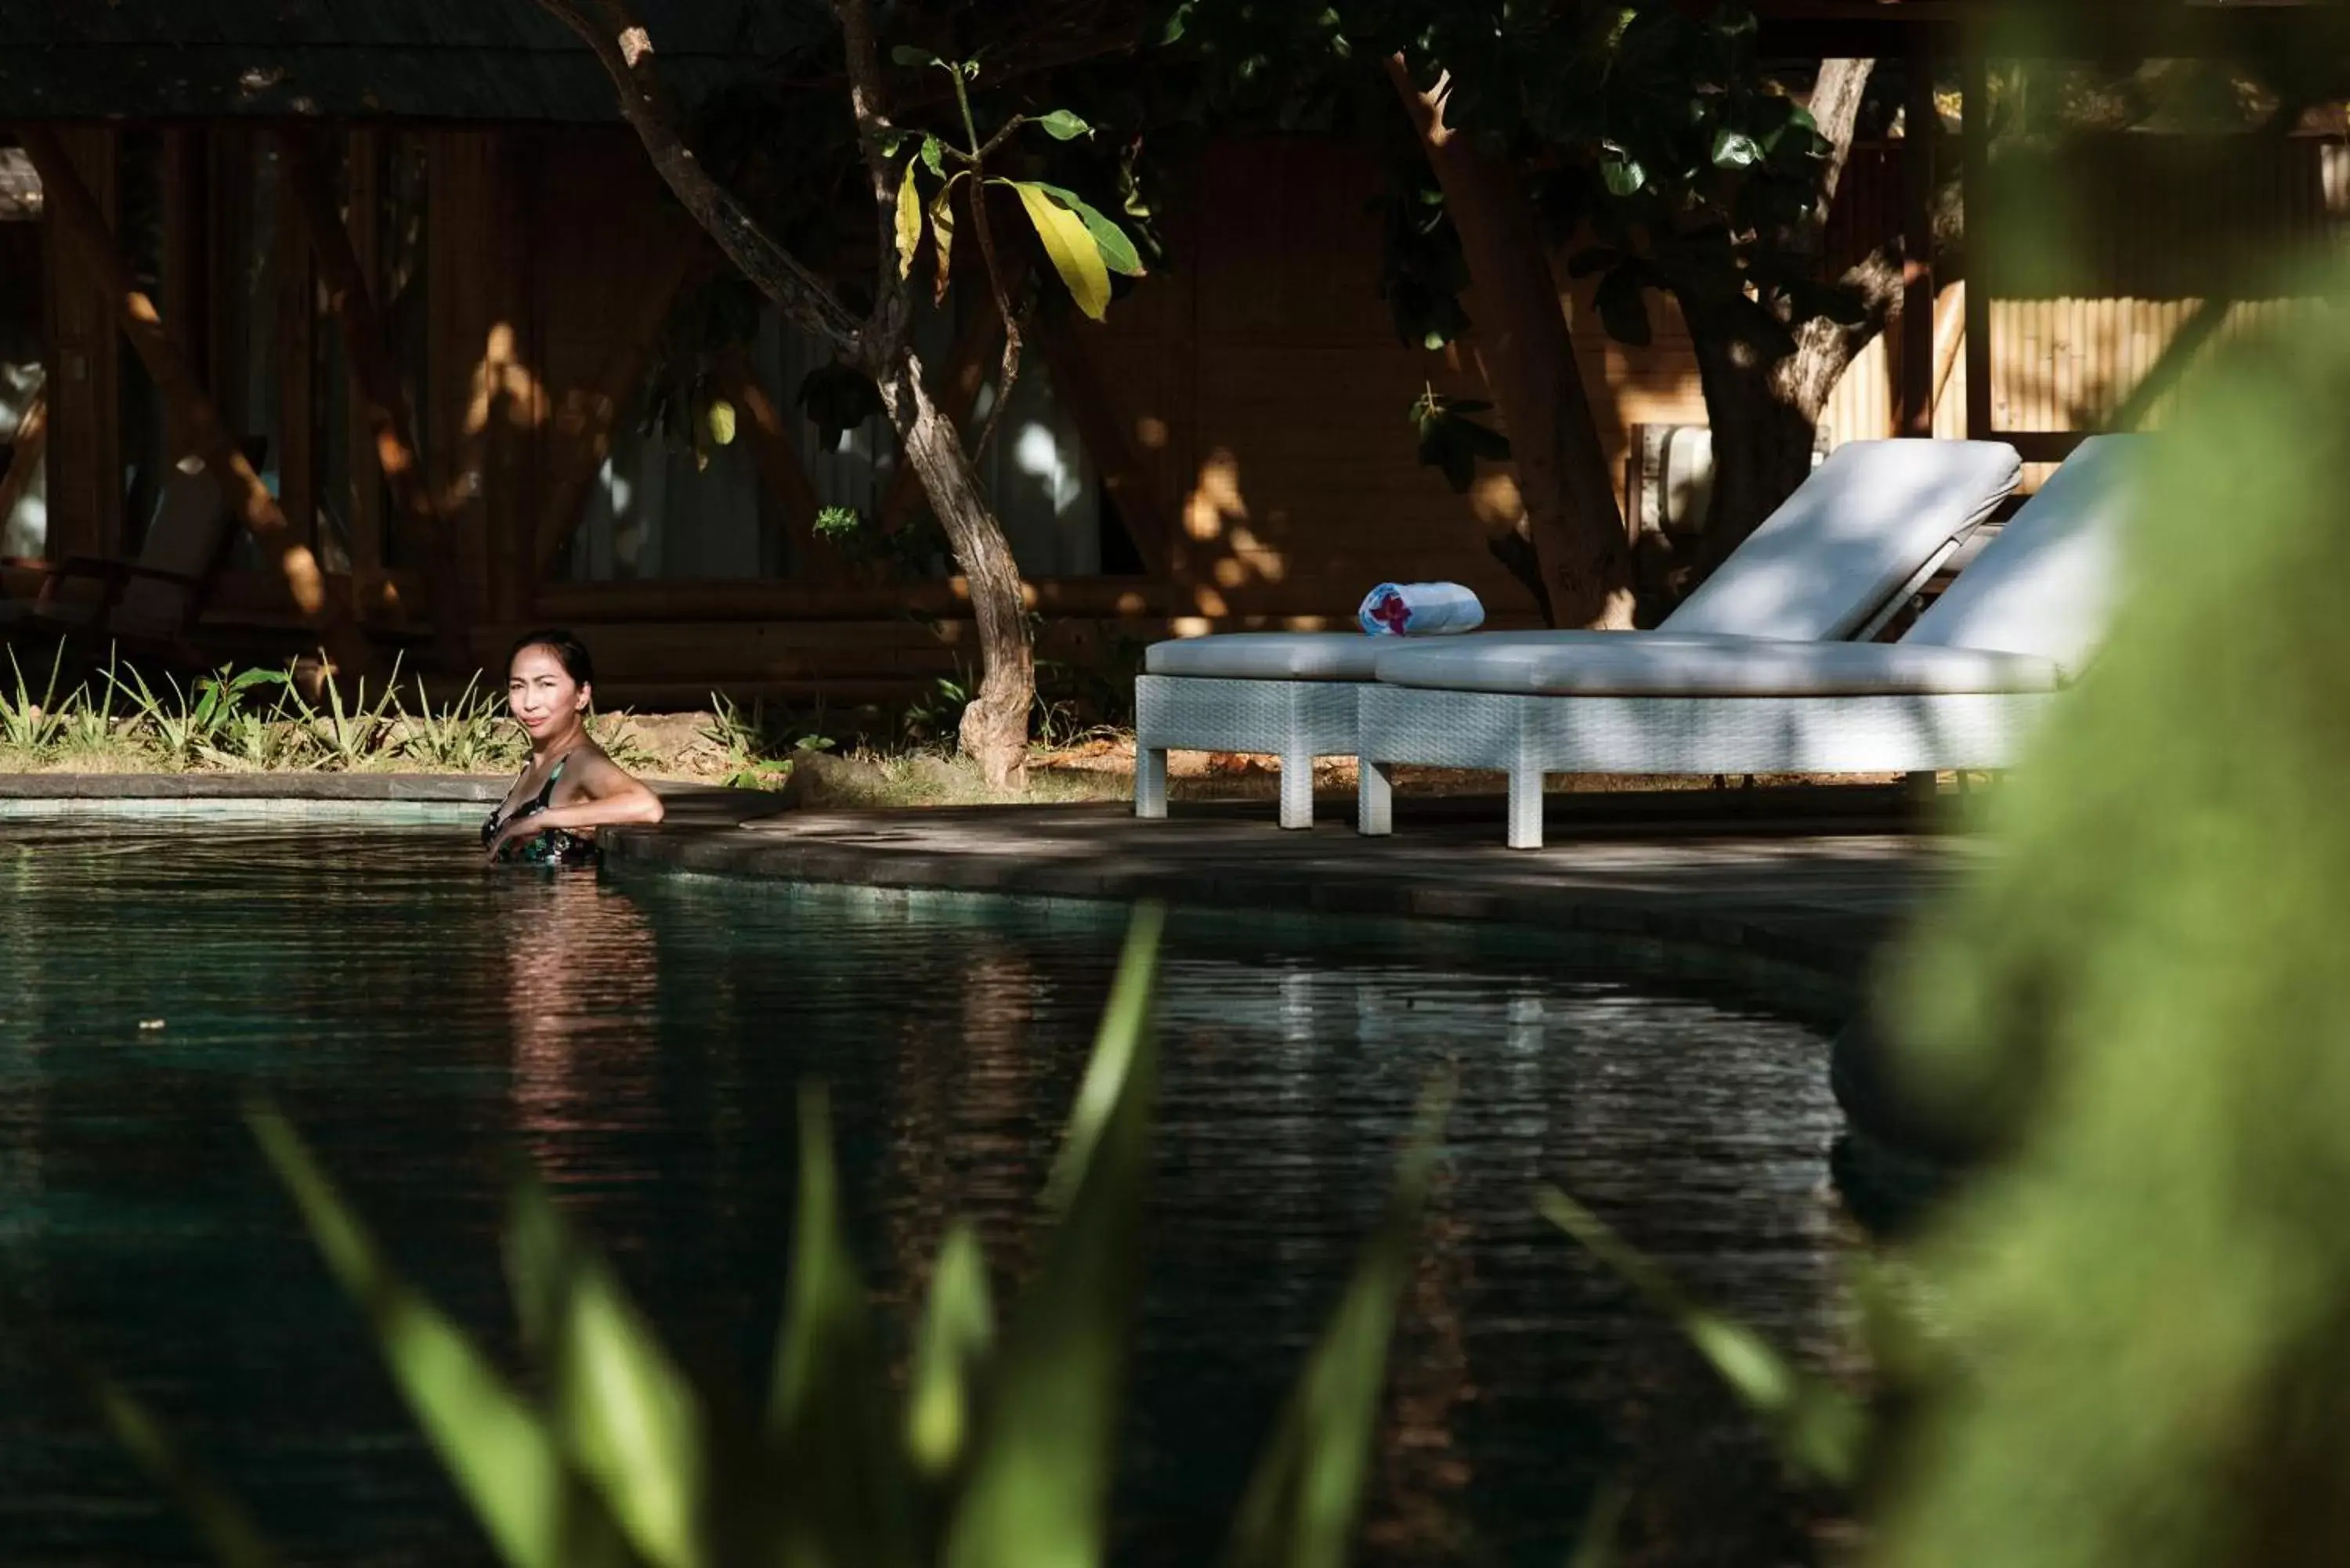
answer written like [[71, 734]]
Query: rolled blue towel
[[1419, 610]]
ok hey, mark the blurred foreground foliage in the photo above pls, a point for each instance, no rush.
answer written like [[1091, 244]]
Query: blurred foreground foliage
[[2147, 1304]]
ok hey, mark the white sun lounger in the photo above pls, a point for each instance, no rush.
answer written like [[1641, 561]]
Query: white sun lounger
[[1963, 690], [1849, 549]]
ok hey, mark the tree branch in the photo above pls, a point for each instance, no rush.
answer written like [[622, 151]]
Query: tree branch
[[1010, 374], [625, 49], [885, 332]]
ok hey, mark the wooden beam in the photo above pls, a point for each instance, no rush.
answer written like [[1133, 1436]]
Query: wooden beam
[[78, 220], [1922, 123], [623, 367], [1974, 174], [397, 454], [1949, 338], [31, 446], [762, 426], [1123, 476]]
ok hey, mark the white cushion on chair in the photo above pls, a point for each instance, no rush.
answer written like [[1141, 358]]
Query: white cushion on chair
[[2046, 586], [1268, 656], [1855, 532], [1614, 664]]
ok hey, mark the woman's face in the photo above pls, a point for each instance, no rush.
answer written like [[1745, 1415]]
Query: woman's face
[[541, 693]]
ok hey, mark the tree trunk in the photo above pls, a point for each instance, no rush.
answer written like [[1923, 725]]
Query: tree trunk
[[994, 732], [1573, 521], [1762, 406], [995, 724]]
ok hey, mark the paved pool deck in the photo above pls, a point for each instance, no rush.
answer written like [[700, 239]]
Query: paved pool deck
[[1818, 881]]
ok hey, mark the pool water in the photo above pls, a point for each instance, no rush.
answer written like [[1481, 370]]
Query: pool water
[[640, 1037]]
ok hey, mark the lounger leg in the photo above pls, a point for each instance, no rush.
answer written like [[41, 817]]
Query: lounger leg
[[1525, 808], [1374, 798], [1297, 789], [1149, 782]]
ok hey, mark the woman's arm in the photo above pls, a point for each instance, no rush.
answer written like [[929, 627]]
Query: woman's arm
[[603, 795]]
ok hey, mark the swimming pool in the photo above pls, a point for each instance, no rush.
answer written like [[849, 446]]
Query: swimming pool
[[640, 1037]]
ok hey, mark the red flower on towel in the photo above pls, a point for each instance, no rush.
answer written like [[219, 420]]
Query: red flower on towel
[[1392, 613]]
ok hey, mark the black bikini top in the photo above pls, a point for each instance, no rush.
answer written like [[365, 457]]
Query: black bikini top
[[555, 845]]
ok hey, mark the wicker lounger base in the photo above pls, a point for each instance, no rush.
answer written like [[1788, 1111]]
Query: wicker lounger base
[[1296, 720], [1527, 737]]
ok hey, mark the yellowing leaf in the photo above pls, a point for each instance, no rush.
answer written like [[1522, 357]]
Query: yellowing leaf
[[942, 223], [721, 421], [1073, 253], [909, 222]]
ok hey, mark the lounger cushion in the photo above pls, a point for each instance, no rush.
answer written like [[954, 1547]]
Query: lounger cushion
[[1658, 665], [1269, 656], [1855, 533], [2046, 586], [1320, 655]]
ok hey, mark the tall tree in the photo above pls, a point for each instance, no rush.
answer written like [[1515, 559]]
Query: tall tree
[[877, 343], [1651, 134]]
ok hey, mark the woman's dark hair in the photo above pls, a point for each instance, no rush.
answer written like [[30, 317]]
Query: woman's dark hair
[[568, 650]]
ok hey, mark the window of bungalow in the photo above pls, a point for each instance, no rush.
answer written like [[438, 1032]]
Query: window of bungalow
[[656, 512], [140, 233], [403, 278], [247, 360]]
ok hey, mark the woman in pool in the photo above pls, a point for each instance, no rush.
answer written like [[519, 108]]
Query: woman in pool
[[569, 787]]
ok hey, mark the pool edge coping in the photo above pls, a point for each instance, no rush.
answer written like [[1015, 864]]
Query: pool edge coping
[[1835, 975]]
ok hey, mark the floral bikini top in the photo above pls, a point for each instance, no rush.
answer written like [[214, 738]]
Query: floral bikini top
[[555, 846]]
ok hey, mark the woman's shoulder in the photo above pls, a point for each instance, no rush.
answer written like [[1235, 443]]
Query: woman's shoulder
[[591, 765]]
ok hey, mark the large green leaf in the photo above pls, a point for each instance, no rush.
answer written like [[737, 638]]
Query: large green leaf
[[624, 1413], [1071, 248], [837, 1461], [1118, 250], [958, 1328], [1037, 1489], [1735, 150], [1301, 1505], [538, 1511], [1062, 126], [1817, 1429]]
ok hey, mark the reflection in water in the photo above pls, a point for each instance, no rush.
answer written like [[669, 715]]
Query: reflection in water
[[581, 978], [643, 1039]]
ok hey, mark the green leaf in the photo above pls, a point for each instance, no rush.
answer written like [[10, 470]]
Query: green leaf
[[1735, 150], [1117, 251], [837, 1462], [1037, 1489], [1596, 1546], [958, 1328], [1301, 1505], [906, 55], [1623, 174], [624, 1413], [538, 1513], [1817, 1429], [910, 222], [934, 156], [1070, 245], [1624, 307], [1062, 126], [218, 1518]]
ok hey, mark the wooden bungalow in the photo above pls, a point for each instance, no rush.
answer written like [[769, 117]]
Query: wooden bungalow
[[403, 256]]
